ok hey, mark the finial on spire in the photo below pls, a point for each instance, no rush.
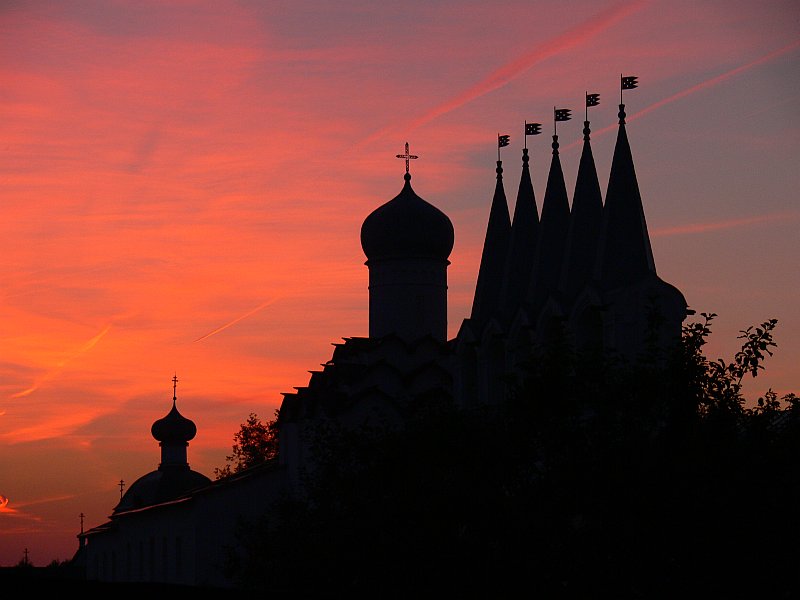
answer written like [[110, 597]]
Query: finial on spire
[[499, 169], [121, 485], [586, 131], [555, 144], [626, 83], [407, 157], [82, 516], [174, 388]]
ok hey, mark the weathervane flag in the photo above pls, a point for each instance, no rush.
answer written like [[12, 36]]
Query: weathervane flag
[[533, 128], [628, 83], [562, 114], [591, 100], [502, 142]]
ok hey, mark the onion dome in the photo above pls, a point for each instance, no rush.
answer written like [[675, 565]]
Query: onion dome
[[407, 227], [174, 427], [160, 486]]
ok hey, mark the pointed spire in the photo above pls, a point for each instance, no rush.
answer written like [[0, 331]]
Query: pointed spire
[[625, 253], [552, 235], [522, 247], [585, 224], [490, 276]]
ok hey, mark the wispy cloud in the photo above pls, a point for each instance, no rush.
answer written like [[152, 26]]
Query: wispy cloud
[[10, 511], [698, 87], [691, 228], [63, 363], [508, 72], [47, 500], [718, 79]]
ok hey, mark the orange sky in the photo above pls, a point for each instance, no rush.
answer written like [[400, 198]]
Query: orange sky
[[184, 185]]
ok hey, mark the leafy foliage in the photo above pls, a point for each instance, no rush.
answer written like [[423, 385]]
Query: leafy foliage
[[255, 442], [645, 479]]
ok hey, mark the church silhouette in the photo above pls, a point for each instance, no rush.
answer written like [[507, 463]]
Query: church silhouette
[[581, 275]]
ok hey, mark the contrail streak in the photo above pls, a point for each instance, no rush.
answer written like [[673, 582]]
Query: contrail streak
[[696, 88], [46, 500], [718, 79], [61, 364], [236, 320], [727, 224], [502, 76]]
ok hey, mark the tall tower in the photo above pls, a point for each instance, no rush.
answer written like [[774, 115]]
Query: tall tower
[[407, 242]]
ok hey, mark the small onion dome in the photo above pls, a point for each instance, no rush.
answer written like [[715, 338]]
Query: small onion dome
[[160, 486], [174, 427], [406, 227]]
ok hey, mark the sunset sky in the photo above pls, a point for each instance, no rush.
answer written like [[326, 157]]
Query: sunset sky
[[183, 186]]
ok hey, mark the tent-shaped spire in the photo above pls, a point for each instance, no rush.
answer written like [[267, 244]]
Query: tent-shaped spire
[[585, 225], [524, 233], [552, 235], [625, 253], [495, 249]]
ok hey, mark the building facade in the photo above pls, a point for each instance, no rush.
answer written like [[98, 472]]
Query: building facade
[[582, 274]]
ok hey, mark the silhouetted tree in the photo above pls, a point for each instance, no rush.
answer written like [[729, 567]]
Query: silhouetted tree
[[255, 442], [645, 479]]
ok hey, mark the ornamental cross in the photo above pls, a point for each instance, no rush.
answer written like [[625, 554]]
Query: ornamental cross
[[174, 386], [407, 156], [121, 485]]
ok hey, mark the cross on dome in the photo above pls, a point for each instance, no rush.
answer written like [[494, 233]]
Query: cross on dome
[[407, 156]]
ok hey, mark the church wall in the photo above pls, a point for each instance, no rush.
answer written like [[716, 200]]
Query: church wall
[[491, 369], [221, 512], [465, 377], [650, 312], [155, 545], [184, 542]]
